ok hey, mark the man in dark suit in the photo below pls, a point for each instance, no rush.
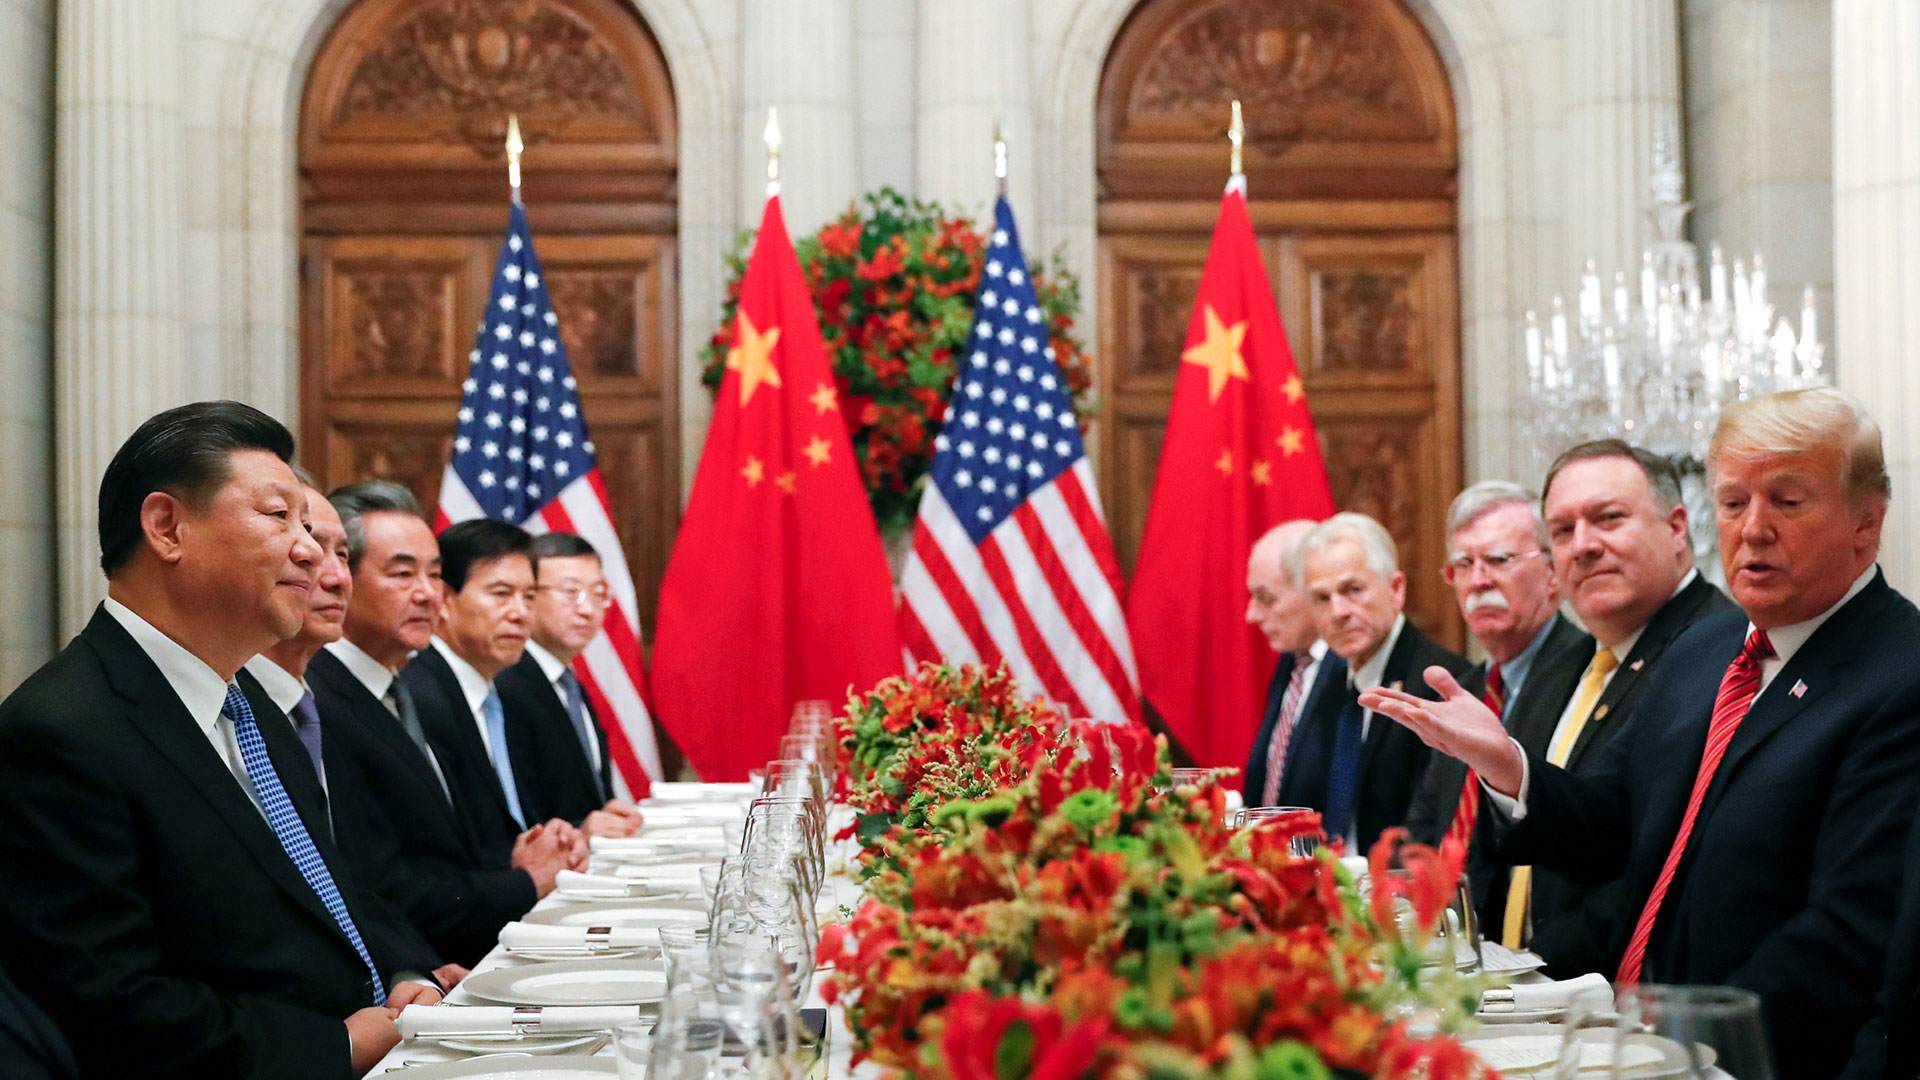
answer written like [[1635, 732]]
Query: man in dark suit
[[1285, 619], [485, 611], [1888, 1047], [393, 809], [1755, 808], [1359, 770], [169, 901], [276, 680], [570, 776], [1508, 594], [1619, 535]]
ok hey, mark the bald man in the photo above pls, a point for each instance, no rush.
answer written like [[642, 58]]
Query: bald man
[[1286, 620]]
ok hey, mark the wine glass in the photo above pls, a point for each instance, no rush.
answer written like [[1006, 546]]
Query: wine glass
[[1587, 1033], [1303, 846], [1691, 1031], [687, 1039]]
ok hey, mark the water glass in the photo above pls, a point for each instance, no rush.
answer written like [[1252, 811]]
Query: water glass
[[1691, 1031], [633, 1049], [685, 948], [688, 1038], [1302, 846], [1587, 1036]]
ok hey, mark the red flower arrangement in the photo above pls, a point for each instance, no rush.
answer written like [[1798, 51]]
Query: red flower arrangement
[[1042, 901], [893, 284]]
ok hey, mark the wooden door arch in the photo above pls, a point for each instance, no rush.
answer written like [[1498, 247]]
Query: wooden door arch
[[1352, 162], [403, 192]]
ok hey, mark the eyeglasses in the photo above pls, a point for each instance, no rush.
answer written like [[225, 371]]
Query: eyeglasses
[[597, 596], [1496, 562]]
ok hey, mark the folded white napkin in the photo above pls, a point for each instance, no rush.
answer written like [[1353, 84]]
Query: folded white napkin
[[575, 882], [441, 1021], [677, 791], [1529, 997], [687, 813], [519, 936], [692, 844]]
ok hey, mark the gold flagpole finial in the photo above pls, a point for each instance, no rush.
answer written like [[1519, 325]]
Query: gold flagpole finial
[[514, 148], [1237, 137], [772, 138], [1000, 157]]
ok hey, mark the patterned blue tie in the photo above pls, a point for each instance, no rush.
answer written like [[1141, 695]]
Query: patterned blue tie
[[502, 761], [1343, 779], [290, 830]]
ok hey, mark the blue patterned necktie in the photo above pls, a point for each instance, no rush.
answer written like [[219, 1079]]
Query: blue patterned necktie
[[502, 761], [1343, 780], [290, 830]]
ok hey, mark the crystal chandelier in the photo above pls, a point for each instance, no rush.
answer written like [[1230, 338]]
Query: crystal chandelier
[[1655, 369]]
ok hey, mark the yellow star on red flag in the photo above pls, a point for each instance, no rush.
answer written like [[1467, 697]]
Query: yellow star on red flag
[[753, 471], [1219, 353], [752, 357], [1262, 473], [824, 398], [819, 451], [785, 481], [1293, 390], [1225, 464], [1292, 440]]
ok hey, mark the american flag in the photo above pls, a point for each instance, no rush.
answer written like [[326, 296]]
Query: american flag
[[521, 454], [1011, 559]]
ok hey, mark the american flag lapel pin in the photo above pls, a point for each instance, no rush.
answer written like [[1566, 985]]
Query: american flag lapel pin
[[1799, 688], [1637, 664]]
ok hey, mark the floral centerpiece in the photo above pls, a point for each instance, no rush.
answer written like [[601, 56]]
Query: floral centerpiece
[[893, 283], [1043, 901]]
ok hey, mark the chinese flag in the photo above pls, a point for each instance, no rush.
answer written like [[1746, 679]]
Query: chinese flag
[[777, 590], [1239, 457]]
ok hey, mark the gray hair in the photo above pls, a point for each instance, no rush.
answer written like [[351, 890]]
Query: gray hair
[[1491, 495], [362, 497], [1798, 421], [1382, 557]]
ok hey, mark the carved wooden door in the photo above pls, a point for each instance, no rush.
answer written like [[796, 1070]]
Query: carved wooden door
[[404, 203], [1351, 168]]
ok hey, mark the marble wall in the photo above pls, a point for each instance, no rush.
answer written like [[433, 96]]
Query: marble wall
[[26, 353]]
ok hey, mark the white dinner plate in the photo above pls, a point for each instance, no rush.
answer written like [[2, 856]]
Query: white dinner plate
[[1534, 1050], [553, 1068], [621, 913], [572, 982]]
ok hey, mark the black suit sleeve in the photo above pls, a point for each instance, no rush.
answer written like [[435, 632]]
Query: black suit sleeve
[[69, 838], [1578, 826]]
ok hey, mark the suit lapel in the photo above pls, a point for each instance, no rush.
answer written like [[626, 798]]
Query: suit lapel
[[156, 713], [457, 737], [1551, 683]]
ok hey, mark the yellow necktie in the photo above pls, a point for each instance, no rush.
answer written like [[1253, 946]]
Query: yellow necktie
[[1520, 891]]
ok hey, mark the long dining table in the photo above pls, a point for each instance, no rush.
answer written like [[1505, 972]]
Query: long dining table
[[674, 812]]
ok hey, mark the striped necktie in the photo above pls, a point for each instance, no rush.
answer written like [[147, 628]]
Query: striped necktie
[[1468, 810], [1738, 687], [290, 830], [1283, 728]]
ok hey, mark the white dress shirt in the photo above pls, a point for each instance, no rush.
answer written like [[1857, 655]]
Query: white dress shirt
[[552, 668], [474, 686], [373, 674], [199, 687], [283, 686], [1368, 676]]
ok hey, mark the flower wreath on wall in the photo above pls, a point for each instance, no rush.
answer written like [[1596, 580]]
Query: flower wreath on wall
[[893, 283]]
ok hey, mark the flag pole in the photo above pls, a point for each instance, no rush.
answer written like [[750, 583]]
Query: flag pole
[[1236, 139], [1000, 158], [514, 147], [771, 136]]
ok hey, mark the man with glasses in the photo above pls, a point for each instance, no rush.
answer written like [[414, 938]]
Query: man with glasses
[[569, 775], [1509, 595]]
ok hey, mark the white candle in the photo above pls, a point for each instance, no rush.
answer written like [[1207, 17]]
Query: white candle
[[1809, 319], [1742, 300], [1665, 327], [1533, 348], [1717, 280], [1710, 373], [1559, 324], [1589, 295], [1782, 345], [1649, 283], [1610, 364], [1759, 282], [1621, 307]]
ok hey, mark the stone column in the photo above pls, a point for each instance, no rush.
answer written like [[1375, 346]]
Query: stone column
[[974, 58], [1622, 82], [119, 325], [1876, 252], [798, 55]]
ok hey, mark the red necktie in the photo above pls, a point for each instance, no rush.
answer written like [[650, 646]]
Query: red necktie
[[1738, 687], [1468, 811], [1283, 728]]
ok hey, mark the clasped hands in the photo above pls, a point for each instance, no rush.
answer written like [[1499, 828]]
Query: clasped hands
[[1459, 725]]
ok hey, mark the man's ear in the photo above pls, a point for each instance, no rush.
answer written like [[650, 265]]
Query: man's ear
[[163, 521]]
